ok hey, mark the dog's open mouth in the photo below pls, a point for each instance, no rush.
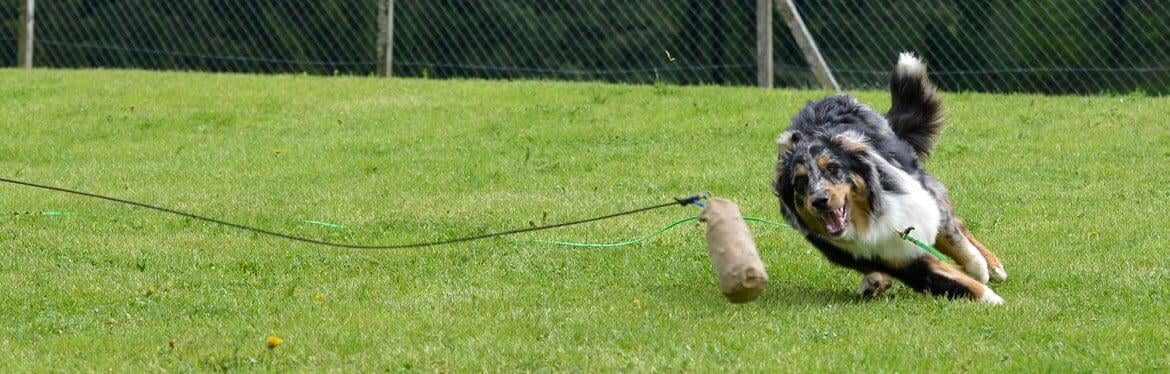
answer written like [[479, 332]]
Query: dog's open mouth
[[835, 221]]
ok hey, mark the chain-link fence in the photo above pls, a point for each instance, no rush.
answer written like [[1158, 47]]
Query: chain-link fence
[[676, 41], [319, 37], [1050, 46], [9, 18], [1053, 46]]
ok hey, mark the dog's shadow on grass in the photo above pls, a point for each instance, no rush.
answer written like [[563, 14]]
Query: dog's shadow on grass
[[781, 296], [778, 296]]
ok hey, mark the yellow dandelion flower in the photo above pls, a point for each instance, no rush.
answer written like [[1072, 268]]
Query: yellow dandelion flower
[[637, 303], [319, 297], [274, 341]]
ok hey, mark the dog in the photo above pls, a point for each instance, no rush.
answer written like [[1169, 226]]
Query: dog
[[852, 182]]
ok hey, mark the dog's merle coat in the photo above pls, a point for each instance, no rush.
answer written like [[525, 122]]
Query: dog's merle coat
[[851, 180]]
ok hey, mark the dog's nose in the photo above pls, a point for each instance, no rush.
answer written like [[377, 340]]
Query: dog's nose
[[820, 201]]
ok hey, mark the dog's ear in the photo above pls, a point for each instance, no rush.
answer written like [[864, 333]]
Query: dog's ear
[[852, 141], [787, 140], [785, 143]]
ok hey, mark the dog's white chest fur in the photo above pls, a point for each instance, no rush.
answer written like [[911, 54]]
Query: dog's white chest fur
[[915, 208]]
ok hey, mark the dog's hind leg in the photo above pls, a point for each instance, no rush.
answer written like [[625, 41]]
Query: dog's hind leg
[[952, 242], [928, 274], [955, 241], [994, 265]]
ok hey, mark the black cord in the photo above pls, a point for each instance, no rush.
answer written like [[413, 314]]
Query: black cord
[[681, 202]]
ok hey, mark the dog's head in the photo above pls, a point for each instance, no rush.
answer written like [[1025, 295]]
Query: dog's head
[[822, 182]]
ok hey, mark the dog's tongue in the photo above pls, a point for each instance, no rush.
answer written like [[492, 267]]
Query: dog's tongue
[[835, 221]]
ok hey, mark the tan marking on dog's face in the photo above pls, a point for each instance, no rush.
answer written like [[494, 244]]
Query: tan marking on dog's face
[[837, 194], [811, 220], [859, 211], [850, 144], [823, 161], [800, 171]]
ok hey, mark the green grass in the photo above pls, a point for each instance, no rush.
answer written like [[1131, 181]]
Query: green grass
[[1070, 191]]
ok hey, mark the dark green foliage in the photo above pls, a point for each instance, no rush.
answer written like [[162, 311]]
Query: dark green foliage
[[615, 40], [318, 37], [9, 20], [1048, 46]]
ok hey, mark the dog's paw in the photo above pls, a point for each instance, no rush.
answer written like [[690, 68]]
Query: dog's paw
[[874, 284], [977, 268], [990, 297], [998, 274]]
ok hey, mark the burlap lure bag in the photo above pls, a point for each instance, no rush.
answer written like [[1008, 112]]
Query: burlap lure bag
[[733, 252]]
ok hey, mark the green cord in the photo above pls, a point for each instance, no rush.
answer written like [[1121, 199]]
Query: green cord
[[619, 244], [647, 237], [905, 236], [326, 224], [924, 246], [755, 219]]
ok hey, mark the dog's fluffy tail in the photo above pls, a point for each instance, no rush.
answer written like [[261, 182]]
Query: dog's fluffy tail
[[916, 111]]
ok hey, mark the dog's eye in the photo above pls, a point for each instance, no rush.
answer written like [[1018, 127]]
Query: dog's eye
[[832, 169], [800, 182]]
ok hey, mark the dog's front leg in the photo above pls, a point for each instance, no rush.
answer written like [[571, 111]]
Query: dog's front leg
[[873, 284], [928, 274]]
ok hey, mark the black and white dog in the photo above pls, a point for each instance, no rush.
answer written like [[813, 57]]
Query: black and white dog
[[852, 181]]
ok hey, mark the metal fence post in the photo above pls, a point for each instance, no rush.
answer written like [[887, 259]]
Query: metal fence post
[[764, 72], [385, 38], [807, 46], [24, 49]]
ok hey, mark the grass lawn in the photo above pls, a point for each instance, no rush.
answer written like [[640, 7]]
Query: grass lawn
[[1071, 192]]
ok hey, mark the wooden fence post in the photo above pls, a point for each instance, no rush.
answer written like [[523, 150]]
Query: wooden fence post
[[24, 49], [764, 68], [385, 38], [807, 46]]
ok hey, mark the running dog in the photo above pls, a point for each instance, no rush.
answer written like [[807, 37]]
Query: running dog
[[852, 181]]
